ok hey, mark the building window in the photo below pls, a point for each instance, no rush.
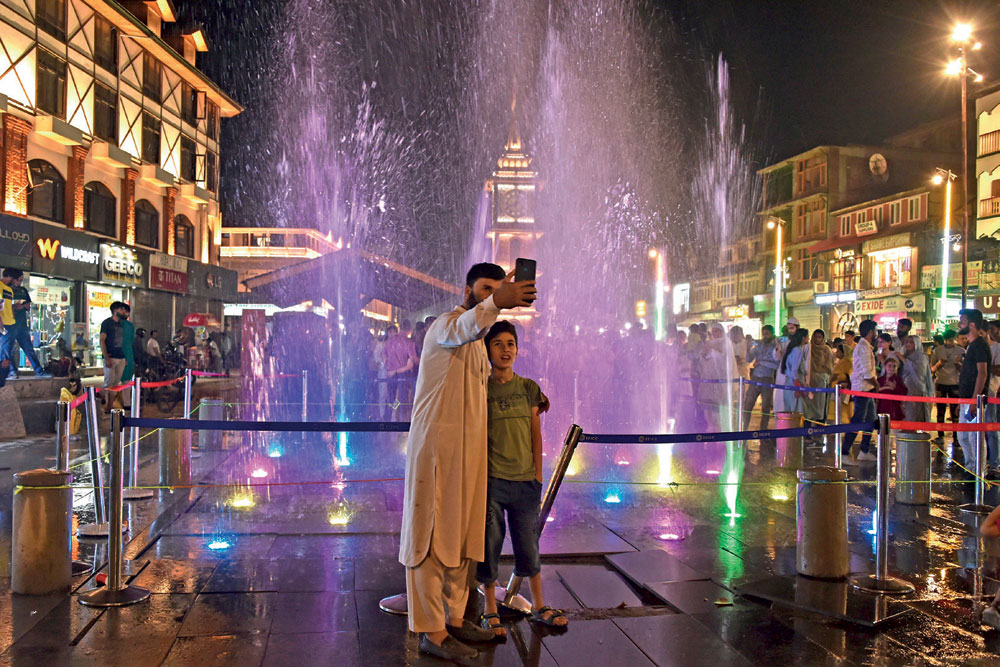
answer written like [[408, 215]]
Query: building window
[[50, 15], [150, 138], [189, 104], [810, 174], [805, 268], [105, 44], [51, 81], [809, 218], [913, 208], [213, 120], [147, 224], [895, 212], [891, 268], [188, 162], [846, 274], [152, 79], [105, 113], [211, 172], [46, 193], [845, 225], [99, 210], [183, 236]]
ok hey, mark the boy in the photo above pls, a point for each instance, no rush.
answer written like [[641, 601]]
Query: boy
[[515, 479]]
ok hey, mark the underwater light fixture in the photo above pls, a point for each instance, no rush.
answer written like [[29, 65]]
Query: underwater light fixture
[[275, 451], [670, 537], [258, 473], [612, 498], [218, 545]]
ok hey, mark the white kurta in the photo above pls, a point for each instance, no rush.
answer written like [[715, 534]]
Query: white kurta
[[444, 501]]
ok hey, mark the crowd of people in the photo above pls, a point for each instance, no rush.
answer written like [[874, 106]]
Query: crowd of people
[[957, 363]]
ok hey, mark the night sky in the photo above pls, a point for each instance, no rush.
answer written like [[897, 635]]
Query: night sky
[[803, 74]]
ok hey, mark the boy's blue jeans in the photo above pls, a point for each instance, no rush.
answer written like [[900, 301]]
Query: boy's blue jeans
[[520, 501]]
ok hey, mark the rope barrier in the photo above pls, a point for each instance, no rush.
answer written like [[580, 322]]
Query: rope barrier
[[247, 485], [312, 427], [793, 387], [667, 438], [206, 374], [78, 401], [909, 399], [709, 380], [935, 426]]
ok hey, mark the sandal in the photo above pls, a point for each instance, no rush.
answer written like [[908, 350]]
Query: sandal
[[499, 632], [538, 616]]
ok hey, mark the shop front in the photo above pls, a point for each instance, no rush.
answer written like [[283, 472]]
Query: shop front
[[742, 316], [888, 310], [837, 312], [15, 242], [122, 271], [801, 307], [946, 313]]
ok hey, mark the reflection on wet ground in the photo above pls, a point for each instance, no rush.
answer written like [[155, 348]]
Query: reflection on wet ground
[[281, 554]]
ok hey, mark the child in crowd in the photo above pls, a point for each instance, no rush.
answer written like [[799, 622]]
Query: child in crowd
[[515, 479], [891, 383]]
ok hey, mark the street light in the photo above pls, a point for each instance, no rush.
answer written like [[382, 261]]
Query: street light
[[962, 37], [946, 176], [779, 272]]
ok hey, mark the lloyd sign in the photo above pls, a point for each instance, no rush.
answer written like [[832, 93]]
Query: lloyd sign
[[122, 265], [168, 272]]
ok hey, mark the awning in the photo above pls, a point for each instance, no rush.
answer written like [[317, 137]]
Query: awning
[[848, 243], [351, 278], [207, 320]]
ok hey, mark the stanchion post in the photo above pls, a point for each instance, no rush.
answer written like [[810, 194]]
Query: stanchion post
[[97, 471], [881, 582], [115, 593], [305, 395], [512, 599], [741, 422], [188, 377], [576, 397], [838, 438], [980, 450], [134, 493], [62, 436]]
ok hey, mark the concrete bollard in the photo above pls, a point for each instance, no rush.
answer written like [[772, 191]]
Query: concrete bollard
[[175, 457], [211, 410], [913, 468], [821, 523], [789, 449], [42, 518]]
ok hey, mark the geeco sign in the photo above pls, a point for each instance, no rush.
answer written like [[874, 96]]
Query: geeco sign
[[119, 264]]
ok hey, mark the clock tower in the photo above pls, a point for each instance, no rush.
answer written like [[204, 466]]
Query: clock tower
[[512, 188]]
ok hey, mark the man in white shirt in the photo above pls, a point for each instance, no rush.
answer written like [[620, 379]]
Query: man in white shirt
[[863, 378], [153, 345]]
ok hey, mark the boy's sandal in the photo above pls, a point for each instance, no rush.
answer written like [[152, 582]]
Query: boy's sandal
[[499, 631], [538, 616]]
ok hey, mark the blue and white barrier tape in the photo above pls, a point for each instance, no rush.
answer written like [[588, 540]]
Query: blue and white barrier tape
[[770, 434], [218, 425]]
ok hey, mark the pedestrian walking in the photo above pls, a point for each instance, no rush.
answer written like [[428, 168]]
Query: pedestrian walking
[[112, 343], [916, 375], [764, 359], [946, 362], [974, 376], [795, 368], [863, 378], [17, 333], [815, 406]]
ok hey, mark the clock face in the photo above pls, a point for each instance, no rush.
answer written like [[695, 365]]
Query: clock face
[[514, 203]]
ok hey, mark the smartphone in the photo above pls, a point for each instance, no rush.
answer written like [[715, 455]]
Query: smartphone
[[524, 269]]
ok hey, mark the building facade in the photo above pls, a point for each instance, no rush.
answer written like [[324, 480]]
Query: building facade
[[109, 165]]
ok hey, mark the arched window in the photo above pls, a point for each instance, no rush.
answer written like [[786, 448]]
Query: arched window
[[147, 224], [183, 237], [99, 210], [46, 196]]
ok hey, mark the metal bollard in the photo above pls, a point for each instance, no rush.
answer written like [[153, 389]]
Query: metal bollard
[[132, 457], [838, 438], [741, 422], [63, 417], [115, 593], [42, 524], [821, 549], [188, 379], [881, 582], [981, 454], [305, 395], [789, 449], [175, 457], [211, 410], [913, 468], [576, 397], [511, 599]]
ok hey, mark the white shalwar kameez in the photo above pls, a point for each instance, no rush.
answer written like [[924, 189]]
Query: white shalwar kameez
[[444, 501]]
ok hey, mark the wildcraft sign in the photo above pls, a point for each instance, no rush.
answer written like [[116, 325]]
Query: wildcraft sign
[[65, 253], [121, 265], [168, 272]]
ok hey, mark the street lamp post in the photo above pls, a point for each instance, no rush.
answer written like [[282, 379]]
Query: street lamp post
[[779, 274], [962, 37], [945, 176]]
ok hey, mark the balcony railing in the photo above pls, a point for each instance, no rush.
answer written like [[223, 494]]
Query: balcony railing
[[989, 207], [989, 143]]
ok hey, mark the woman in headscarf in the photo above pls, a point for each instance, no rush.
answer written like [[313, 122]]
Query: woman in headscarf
[[795, 368], [917, 378]]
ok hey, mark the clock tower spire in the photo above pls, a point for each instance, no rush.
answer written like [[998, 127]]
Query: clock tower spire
[[512, 187]]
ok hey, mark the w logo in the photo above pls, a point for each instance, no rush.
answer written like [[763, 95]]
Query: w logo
[[48, 248]]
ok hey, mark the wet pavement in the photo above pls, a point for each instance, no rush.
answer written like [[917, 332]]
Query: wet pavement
[[282, 552]]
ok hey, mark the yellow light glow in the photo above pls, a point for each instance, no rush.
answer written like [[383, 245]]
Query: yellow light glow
[[954, 68], [653, 253], [962, 32], [242, 501], [938, 179]]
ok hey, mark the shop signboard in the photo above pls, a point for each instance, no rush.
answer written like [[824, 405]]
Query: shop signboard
[[989, 304], [168, 272], [865, 227], [736, 312], [916, 303], [831, 298], [121, 265], [213, 282], [880, 292], [65, 253], [930, 276], [49, 295], [15, 242], [887, 243]]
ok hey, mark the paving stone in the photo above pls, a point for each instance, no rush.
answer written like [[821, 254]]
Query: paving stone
[[677, 639], [559, 541], [196, 548], [319, 649], [762, 639], [597, 587], [314, 612], [333, 546], [598, 642], [693, 597], [377, 574], [651, 566], [216, 651], [229, 613], [169, 575]]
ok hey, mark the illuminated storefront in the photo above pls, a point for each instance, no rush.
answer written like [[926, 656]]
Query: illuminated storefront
[[892, 261]]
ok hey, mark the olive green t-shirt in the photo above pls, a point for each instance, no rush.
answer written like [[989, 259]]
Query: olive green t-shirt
[[509, 428]]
